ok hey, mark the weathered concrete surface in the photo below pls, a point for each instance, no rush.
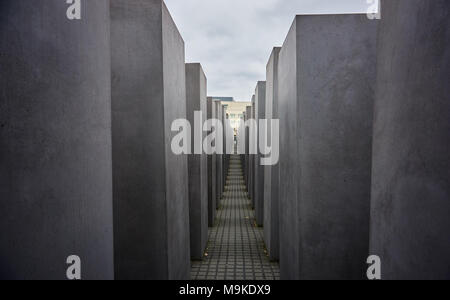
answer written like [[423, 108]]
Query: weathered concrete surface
[[258, 186], [151, 207], [196, 100], [212, 165], [242, 149], [248, 114], [55, 140], [326, 74], [225, 150], [219, 158], [272, 173], [410, 224], [251, 183]]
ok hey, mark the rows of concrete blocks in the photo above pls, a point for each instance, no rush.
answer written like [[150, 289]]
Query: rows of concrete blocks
[[86, 109], [364, 167], [86, 166]]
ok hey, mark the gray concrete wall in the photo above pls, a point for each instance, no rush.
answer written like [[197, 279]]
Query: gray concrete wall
[[55, 140], [151, 208], [176, 166], [212, 165], [272, 173], [258, 186], [289, 170], [196, 100], [248, 114], [327, 77], [219, 169], [252, 160], [225, 151], [411, 154]]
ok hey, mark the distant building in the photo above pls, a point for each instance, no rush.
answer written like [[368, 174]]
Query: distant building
[[234, 110], [223, 99]]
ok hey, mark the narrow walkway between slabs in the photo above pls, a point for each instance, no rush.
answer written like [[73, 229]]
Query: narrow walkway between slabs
[[236, 249]]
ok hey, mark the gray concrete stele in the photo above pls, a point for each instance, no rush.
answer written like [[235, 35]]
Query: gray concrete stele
[[258, 184], [196, 101], [55, 141], [219, 158], [251, 163], [212, 165], [151, 206], [411, 160], [327, 75], [272, 172]]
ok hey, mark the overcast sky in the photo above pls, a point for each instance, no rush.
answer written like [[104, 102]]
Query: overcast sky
[[232, 39]]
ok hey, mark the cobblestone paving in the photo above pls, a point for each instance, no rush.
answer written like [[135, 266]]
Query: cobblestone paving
[[236, 249]]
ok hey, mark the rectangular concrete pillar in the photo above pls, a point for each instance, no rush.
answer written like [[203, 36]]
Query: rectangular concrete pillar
[[247, 147], [225, 154], [260, 113], [252, 159], [238, 146], [212, 165], [243, 158], [326, 79], [219, 158], [410, 211], [248, 115], [272, 172], [55, 141], [151, 204], [196, 101]]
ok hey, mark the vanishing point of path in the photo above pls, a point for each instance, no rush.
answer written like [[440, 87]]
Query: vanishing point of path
[[236, 249]]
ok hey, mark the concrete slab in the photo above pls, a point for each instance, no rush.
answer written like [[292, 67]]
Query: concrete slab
[[326, 81], [252, 160], [196, 100], [411, 160], [258, 186], [212, 164], [55, 141], [272, 173], [151, 207], [248, 114], [225, 150], [219, 169]]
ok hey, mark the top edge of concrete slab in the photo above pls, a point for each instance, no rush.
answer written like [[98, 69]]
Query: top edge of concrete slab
[[275, 51], [199, 65], [166, 9], [331, 14], [301, 17]]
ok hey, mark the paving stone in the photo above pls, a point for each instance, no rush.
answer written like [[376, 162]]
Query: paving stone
[[236, 246]]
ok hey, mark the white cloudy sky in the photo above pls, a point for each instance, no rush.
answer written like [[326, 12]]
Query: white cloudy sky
[[232, 39]]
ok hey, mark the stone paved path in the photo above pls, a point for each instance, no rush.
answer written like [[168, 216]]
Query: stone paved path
[[236, 249]]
